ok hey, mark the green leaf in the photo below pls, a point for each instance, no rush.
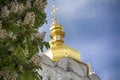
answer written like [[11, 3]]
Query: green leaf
[[29, 76], [12, 51]]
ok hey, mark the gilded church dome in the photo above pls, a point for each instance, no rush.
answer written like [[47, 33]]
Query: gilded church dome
[[58, 49], [58, 52]]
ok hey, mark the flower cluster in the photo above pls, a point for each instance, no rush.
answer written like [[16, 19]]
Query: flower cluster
[[29, 19], [4, 34], [28, 4], [19, 23], [15, 7], [6, 75], [41, 35], [40, 4], [4, 12], [36, 59], [19, 8], [11, 35]]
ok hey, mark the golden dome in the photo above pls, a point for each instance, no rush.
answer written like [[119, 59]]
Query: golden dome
[[57, 52], [58, 49]]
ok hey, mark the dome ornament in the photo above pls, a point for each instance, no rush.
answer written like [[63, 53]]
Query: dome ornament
[[90, 70], [58, 49], [54, 10]]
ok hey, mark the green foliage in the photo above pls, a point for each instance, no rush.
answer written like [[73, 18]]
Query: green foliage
[[29, 76], [19, 38]]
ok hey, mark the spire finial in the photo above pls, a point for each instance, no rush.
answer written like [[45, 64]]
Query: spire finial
[[90, 70], [54, 10], [56, 30]]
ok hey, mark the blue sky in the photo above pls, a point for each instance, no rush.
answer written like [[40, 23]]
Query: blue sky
[[93, 28]]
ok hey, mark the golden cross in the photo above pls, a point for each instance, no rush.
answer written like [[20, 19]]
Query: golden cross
[[54, 11]]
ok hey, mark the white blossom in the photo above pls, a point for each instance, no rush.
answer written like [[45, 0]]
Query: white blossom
[[4, 12], [33, 36], [3, 33], [18, 23], [8, 76], [28, 4], [40, 5], [11, 35], [29, 19], [36, 59], [21, 8], [41, 35], [14, 7]]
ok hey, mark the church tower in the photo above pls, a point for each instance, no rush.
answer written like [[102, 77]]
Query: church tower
[[61, 62]]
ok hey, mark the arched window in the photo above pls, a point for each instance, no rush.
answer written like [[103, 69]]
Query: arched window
[[68, 66]]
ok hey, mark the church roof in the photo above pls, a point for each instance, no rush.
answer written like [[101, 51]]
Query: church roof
[[62, 50]]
